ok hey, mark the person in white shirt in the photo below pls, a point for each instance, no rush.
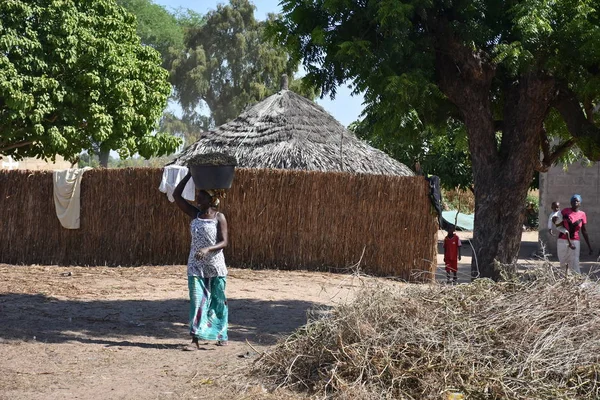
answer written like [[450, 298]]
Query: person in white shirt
[[555, 222]]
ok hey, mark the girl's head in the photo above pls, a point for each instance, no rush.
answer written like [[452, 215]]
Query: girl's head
[[206, 199], [555, 206]]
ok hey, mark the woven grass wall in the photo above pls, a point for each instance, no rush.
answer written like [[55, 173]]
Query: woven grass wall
[[277, 219]]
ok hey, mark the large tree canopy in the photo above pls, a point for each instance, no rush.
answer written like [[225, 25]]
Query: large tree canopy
[[160, 28], [74, 75], [156, 27], [229, 65], [515, 73]]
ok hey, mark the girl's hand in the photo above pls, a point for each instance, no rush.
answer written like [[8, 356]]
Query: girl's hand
[[200, 254]]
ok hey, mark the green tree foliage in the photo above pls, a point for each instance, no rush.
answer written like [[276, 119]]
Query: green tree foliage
[[513, 73], [161, 29], [188, 129], [229, 65], [73, 74], [445, 153], [156, 27], [87, 160]]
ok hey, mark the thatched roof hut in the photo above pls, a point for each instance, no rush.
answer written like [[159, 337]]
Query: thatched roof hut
[[288, 131]]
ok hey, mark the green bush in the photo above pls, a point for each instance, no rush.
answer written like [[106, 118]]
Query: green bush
[[461, 200]]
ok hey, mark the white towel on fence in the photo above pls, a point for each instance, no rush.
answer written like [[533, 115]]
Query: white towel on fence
[[67, 188], [172, 175]]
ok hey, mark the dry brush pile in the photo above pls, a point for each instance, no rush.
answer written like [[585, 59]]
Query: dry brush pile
[[513, 340]]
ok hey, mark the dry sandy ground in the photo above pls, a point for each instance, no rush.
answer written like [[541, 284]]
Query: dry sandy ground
[[117, 333]]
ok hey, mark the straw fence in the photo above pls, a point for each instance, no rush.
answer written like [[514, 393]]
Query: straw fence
[[277, 219]]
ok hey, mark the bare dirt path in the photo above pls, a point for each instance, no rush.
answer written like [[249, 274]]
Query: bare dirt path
[[117, 333]]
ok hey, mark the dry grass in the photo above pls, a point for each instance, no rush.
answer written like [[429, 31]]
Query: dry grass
[[536, 338]]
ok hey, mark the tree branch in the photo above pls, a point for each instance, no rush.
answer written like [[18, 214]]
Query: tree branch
[[550, 158], [465, 77], [51, 120], [544, 143], [498, 125], [16, 145], [585, 133]]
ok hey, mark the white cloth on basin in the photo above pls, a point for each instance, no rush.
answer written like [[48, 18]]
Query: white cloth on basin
[[172, 175]]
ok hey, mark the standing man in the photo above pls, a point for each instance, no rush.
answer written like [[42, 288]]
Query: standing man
[[574, 220]]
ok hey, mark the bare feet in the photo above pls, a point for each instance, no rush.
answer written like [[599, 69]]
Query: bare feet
[[222, 343], [192, 346]]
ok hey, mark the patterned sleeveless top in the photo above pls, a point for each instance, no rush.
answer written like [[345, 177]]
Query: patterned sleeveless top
[[204, 234]]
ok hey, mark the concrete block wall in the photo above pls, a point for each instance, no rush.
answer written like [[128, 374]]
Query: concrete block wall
[[559, 184]]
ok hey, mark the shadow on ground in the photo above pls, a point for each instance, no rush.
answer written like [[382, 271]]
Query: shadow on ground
[[124, 322]]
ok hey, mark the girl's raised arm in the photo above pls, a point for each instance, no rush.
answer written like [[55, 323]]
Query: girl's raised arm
[[181, 202]]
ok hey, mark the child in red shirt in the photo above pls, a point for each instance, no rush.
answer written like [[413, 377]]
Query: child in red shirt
[[451, 253]]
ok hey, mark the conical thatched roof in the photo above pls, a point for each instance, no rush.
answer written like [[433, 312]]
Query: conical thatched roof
[[289, 131]]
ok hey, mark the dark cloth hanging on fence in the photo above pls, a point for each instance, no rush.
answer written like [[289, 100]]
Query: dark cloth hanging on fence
[[435, 195]]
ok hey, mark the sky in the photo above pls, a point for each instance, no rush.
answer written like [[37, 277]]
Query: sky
[[345, 108]]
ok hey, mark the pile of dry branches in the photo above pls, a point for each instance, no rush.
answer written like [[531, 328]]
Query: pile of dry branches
[[513, 340]]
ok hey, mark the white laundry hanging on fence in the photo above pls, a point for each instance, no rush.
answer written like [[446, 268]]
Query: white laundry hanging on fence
[[172, 175], [67, 187]]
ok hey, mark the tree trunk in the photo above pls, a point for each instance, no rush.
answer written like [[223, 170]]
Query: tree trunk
[[503, 165], [103, 156], [501, 185], [499, 219]]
